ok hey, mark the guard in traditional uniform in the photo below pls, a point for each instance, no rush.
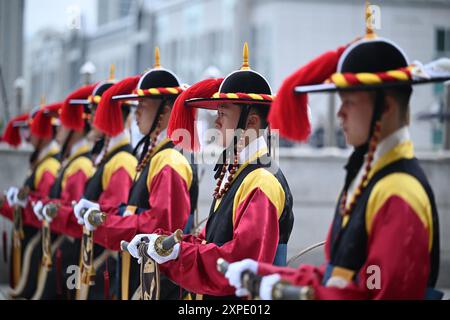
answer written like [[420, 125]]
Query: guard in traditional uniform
[[44, 165], [115, 169], [251, 213], [76, 169], [383, 242], [162, 172]]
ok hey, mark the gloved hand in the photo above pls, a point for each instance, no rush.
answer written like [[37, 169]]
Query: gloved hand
[[37, 209], [133, 246], [20, 202], [83, 204], [234, 274], [155, 256], [11, 194], [47, 217], [266, 286]]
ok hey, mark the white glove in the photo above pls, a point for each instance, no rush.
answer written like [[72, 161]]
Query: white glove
[[88, 213], [37, 209], [133, 246], [266, 286], [155, 256], [45, 213], [81, 205], [11, 195], [234, 274], [20, 202]]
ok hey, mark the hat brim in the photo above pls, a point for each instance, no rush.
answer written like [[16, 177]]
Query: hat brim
[[21, 124], [135, 96], [213, 104], [79, 101], [331, 87]]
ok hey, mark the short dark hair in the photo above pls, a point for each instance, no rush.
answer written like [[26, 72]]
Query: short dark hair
[[402, 96]]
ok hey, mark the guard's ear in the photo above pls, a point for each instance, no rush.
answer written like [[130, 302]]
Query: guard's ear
[[253, 121]]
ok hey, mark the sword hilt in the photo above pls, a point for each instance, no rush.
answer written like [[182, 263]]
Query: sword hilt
[[52, 209], [249, 280], [96, 218], [285, 291], [280, 291], [169, 242], [163, 244], [23, 193]]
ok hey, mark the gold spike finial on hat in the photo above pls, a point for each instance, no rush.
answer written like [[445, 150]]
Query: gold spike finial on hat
[[157, 64], [112, 71], [245, 65], [369, 26]]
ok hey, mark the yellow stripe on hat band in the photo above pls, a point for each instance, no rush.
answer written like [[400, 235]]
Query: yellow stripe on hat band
[[368, 78], [339, 80], [154, 91], [255, 96], [172, 90], [399, 75]]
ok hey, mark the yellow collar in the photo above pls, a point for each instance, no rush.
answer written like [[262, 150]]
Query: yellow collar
[[119, 144], [404, 150], [83, 149]]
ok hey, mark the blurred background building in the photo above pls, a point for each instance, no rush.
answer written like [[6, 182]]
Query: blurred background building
[[196, 34]]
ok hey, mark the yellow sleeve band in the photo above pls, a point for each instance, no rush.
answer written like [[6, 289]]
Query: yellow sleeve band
[[174, 159], [120, 160], [410, 190], [50, 164], [267, 183]]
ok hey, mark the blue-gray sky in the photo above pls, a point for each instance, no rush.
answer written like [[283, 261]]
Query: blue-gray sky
[[57, 13]]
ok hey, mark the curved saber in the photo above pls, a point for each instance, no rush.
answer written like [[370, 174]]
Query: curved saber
[[304, 251]]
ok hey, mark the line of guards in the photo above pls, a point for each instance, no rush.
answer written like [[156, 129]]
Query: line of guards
[[81, 199]]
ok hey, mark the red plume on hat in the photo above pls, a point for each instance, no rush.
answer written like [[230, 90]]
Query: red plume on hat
[[108, 117], [72, 115], [184, 117], [41, 125], [11, 135], [289, 111]]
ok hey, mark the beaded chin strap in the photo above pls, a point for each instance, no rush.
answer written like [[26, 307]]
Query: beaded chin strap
[[232, 168], [149, 152], [238, 146]]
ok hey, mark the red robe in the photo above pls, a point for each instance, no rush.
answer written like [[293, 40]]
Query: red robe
[[259, 202], [398, 222], [116, 181], [168, 183], [75, 176], [45, 176]]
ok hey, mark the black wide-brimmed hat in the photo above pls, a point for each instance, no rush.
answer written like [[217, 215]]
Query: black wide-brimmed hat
[[244, 86], [377, 63], [157, 83]]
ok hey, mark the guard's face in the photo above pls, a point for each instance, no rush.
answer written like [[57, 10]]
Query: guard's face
[[226, 122], [146, 113], [355, 115]]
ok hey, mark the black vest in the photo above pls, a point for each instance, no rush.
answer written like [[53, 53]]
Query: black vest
[[219, 227], [29, 181], [56, 189], [139, 192], [348, 244], [94, 188]]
